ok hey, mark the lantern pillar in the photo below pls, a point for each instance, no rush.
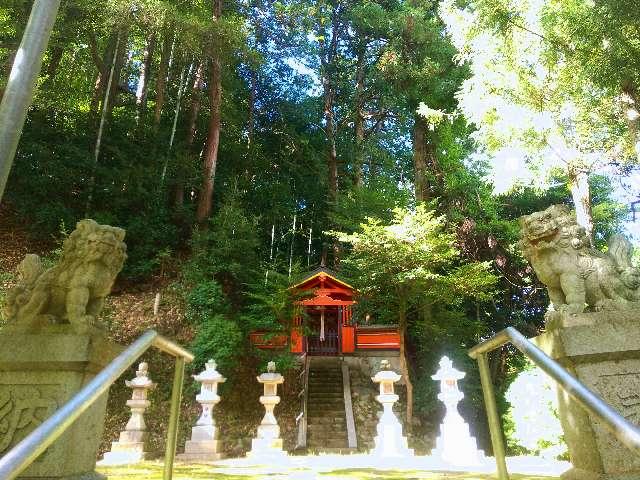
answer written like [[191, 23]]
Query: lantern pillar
[[268, 442], [389, 442], [455, 445], [204, 444], [129, 448]]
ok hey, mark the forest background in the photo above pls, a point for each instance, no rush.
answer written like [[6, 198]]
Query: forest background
[[233, 139]]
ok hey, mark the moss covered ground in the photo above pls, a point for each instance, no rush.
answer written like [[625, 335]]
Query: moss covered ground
[[153, 471]]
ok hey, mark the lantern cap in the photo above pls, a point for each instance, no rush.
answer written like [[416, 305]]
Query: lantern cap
[[447, 371], [142, 380], [386, 376], [210, 374], [270, 377]]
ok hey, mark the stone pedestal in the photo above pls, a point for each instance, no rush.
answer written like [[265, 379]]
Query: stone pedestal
[[602, 350], [204, 444], [389, 442], [268, 442], [38, 374], [130, 447]]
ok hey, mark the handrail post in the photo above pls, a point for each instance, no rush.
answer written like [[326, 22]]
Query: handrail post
[[174, 417], [495, 428]]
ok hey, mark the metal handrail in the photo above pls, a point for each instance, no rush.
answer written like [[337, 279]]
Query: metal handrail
[[28, 449], [620, 427]]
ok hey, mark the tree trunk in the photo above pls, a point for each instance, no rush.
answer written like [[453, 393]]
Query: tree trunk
[[103, 64], [103, 121], [252, 106], [293, 237], [145, 74], [54, 62], [121, 54], [332, 155], [404, 364], [358, 157], [420, 159], [205, 201], [579, 185], [196, 102], [163, 69]]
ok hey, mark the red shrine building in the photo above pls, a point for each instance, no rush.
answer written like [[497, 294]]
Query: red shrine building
[[326, 326]]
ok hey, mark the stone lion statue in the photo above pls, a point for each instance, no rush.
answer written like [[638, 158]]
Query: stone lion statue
[[73, 291], [577, 276]]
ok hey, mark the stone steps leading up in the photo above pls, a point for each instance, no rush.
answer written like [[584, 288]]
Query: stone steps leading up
[[326, 424]]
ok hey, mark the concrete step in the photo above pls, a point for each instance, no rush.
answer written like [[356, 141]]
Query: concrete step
[[327, 447], [326, 434], [320, 404], [332, 450], [327, 442], [337, 395], [326, 411], [325, 387], [324, 420]]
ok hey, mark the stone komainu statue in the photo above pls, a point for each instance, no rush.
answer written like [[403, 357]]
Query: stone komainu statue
[[73, 291], [578, 276]]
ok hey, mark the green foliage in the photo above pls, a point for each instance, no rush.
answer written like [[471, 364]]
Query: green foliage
[[227, 250], [219, 338], [414, 256], [218, 334]]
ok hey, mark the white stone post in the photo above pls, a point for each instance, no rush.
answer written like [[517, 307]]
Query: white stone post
[[389, 442], [455, 445], [129, 448], [268, 442], [204, 444]]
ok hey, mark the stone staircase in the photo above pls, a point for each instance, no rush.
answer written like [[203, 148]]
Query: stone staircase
[[326, 424]]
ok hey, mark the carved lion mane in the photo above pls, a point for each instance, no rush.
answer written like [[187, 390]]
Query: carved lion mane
[[73, 291], [578, 276]]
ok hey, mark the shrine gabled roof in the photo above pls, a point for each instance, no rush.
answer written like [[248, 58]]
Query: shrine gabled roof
[[321, 271]]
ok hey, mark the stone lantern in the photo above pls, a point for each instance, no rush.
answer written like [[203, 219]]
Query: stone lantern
[[130, 446], [268, 441], [204, 444], [455, 445], [389, 442]]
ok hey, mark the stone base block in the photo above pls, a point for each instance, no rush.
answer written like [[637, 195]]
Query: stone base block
[[202, 446], [602, 350], [392, 447], [38, 374], [266, 447], [201, 450], [199, 457], [455, 446], [124, 454]]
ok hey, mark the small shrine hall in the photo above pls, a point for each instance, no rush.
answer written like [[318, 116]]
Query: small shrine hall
[[325, 325]]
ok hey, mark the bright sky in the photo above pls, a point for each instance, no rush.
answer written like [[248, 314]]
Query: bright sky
[[509, 168]]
